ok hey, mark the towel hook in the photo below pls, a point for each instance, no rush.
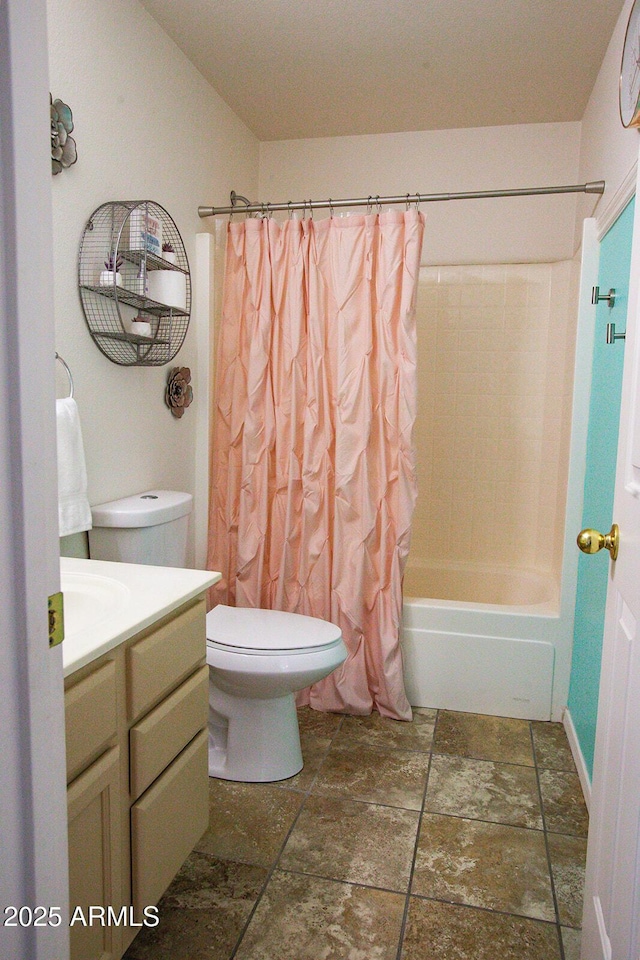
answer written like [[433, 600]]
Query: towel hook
[[66, 367]]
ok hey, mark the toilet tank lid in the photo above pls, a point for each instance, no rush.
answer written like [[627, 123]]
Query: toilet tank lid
[[142, 509]]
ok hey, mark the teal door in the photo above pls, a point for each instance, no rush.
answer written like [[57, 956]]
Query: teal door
[[602, 440]]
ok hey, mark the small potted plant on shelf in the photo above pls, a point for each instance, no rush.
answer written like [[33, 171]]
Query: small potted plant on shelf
[[110, 276], [140, 326], [168, 252]]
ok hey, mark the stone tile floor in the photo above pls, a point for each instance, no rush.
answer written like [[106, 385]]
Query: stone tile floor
[[454, 837]]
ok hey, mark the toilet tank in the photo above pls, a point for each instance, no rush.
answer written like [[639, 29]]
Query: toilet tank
[[148, 527]]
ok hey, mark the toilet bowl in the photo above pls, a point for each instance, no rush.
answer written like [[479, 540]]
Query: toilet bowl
[[257, 660]]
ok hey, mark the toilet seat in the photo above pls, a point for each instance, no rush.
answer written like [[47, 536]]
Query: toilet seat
[[250, 631]]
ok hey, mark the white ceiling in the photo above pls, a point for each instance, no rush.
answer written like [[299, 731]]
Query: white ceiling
[[318, 68]]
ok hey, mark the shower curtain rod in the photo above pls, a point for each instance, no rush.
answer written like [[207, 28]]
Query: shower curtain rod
[[597, 186]]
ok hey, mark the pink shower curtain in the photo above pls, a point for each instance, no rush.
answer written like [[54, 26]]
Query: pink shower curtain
[[312, 463]]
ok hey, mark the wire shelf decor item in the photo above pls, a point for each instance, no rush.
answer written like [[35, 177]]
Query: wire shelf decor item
[[135, 283]]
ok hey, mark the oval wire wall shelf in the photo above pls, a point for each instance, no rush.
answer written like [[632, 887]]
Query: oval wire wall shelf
[[126, 278]]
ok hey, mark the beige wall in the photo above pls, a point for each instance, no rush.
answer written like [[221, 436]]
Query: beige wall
[[482, 231], [147, 126], [608, 150]]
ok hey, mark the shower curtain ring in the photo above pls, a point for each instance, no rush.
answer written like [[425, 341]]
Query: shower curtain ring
[[417, 201], [369, 204], [310, 209], [290, 212], [330, 207], [378, 204]]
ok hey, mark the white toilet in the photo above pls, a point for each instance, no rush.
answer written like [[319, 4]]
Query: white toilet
[[257, 659]]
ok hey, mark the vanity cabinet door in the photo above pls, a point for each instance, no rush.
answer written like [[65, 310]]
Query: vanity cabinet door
[[93, 803]]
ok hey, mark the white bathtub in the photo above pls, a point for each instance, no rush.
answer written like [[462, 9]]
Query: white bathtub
[[479, 639]]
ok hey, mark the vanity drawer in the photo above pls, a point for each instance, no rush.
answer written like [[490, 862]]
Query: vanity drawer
[[167, 822], [158, 662], [90, 717], [163, 733]]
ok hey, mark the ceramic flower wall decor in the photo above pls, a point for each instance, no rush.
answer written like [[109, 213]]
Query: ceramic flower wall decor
[[63, 146], [179, 393]]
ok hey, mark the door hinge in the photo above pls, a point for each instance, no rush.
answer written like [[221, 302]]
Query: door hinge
[[56, 619]]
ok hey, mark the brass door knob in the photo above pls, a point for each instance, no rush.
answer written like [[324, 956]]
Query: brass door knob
[[590, 541]]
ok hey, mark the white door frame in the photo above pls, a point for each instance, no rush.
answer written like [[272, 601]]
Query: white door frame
[[33, 834]]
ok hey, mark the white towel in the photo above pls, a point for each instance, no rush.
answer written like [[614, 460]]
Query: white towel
[[74, 513]]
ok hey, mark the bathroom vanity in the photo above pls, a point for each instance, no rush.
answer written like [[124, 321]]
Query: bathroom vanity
[[136, 734]]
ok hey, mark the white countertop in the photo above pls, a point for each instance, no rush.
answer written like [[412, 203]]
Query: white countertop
[[107, 603]]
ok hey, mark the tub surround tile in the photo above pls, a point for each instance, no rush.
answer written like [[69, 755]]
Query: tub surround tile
[[203, 913], [483, 790], [355, 842], [377, 731], [248, 822], [444, 931], [484, 738], [462, 397], [487, 865], [306, 918], [356, 771], [551, 746], [568, 860], [563, 802]]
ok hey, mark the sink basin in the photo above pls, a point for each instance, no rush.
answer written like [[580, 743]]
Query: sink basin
[[90, 598]]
